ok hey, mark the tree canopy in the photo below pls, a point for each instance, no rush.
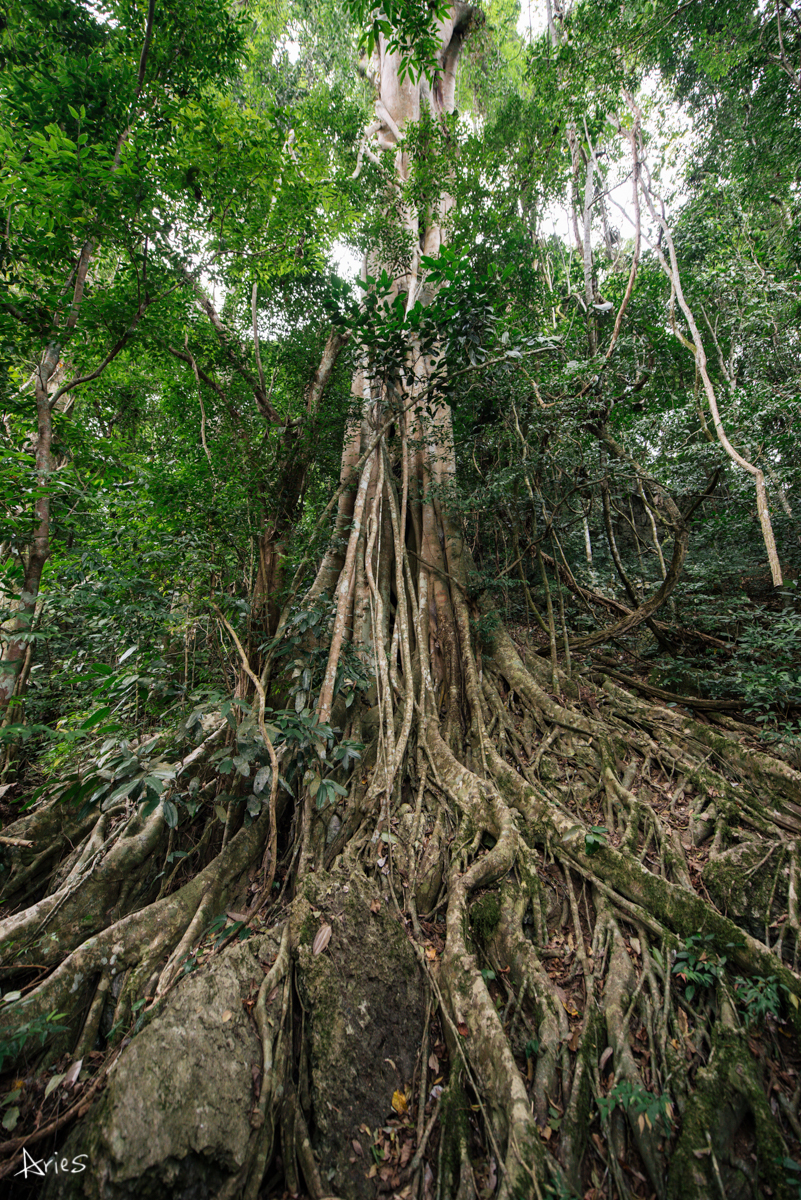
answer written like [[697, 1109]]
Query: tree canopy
[[424, 631]]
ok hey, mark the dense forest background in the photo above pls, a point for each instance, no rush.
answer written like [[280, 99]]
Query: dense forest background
[[518, 670]]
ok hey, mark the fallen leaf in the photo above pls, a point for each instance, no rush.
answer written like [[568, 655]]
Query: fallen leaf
[[375, 905], [635, 945], [406, 1153], [227, 1015], [53, 1084], [431, 952], [357, 1146], [546, 1133], [575, 1038], [235, 916], [371, 1174], [607, 1054], [462, 1028], [433, 1062], [10, 1119], [72, 1075], [391, 1063], [399, 1103], [322, 939]]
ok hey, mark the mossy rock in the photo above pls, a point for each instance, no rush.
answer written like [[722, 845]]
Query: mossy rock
[[174, 1120]]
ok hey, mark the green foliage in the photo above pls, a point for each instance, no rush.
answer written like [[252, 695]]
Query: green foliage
[[38, 1028], [595, 839], [697, 964], [655, 1112], [408, 28], [792, 1175], [759, 998]]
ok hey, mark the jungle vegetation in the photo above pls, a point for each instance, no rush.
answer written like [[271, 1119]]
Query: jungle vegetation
[[401, 665]]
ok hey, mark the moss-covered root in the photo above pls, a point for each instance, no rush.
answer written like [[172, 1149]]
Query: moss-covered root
[[512, 947], [727, 1090], [486, 1048], [620, 987], [455, 1171], [45, 932], [149, 934]]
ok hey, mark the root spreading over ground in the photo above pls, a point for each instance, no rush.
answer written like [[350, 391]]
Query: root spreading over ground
[[464, 925], [539, 941]]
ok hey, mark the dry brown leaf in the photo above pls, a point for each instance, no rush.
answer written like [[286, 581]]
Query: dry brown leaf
[[406, 1153], [71, 1076], [575, 1038], [431, 953], [546, 1133], [462, 1028], [399, 1103], [375, 905], [227, 1015], [357, 1146], [322, 939], [607, 1054], [433, 1062]]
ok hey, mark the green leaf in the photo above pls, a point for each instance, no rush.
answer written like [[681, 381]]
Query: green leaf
[[96, 718], [53, 1083], [10, 1119], [170, 813]]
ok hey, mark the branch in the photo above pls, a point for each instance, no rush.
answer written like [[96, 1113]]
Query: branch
[[671, 269], [234, 349], [113, 352], [253, 296]]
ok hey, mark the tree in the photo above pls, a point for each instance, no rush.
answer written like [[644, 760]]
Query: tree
[[390, 889]]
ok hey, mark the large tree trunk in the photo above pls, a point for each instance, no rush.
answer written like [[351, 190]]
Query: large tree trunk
[[16, 635], [465, 987]]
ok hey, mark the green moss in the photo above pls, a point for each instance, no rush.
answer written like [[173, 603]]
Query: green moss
[[715, 1109], [485, 915], [455, 1131]]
